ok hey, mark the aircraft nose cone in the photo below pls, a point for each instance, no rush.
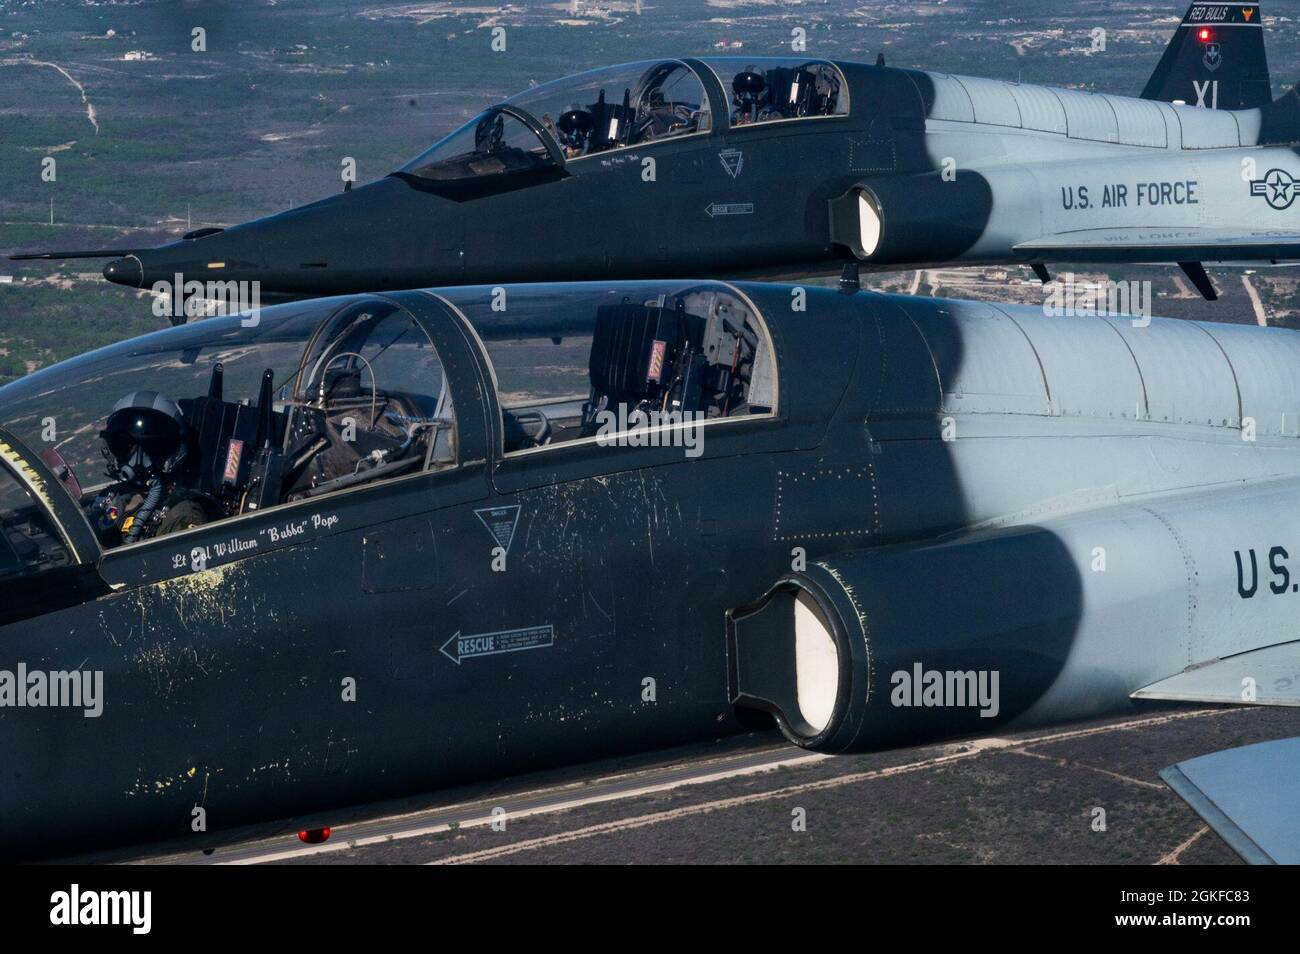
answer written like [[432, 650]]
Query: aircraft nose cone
[[125, 271]]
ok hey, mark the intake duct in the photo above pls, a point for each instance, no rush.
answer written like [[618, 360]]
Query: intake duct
[[927, 217], [890, 646]]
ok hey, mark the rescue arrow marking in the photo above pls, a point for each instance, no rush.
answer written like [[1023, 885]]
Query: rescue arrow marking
[[494, 644], [734, 208]]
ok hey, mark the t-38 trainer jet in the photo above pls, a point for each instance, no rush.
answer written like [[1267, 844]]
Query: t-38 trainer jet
[[369, 546], [774, 166]]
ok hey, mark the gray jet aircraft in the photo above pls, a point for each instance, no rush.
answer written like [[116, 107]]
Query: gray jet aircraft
[[781, 166], [371, 546]]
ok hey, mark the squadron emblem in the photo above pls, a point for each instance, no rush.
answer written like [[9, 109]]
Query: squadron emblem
[[1213, 57]]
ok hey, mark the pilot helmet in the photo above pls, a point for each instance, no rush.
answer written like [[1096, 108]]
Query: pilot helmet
[[575, 125], [144, 435], [748, 85]]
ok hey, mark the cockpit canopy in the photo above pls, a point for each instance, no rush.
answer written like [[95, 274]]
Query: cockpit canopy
[[221, 418], [627, 105], [775, 88], [581, 115], [536, 132], [493, 143]]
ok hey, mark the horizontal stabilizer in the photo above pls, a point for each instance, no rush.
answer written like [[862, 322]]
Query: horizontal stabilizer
[[1118, 245], [1250, 796], [1280, 119], [1263, 677]]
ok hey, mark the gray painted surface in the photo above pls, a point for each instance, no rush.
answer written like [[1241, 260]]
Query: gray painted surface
[[1249, 795], [1249, 672]]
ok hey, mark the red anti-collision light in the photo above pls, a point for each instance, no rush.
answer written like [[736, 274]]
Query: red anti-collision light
[[1204, 34], [314, 836]]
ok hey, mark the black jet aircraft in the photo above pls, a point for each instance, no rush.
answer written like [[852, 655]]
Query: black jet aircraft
[[259, 569], [769, 166]]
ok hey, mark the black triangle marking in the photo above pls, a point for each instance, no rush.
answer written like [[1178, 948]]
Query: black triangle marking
[[501, 523]]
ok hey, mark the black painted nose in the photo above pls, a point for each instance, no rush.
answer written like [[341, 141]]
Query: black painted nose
[[125, 271]]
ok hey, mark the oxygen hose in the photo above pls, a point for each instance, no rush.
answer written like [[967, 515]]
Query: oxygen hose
[[151, 499]]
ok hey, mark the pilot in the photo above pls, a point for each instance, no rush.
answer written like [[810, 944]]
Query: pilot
[[575, 127], [749, 90], [147, 444]]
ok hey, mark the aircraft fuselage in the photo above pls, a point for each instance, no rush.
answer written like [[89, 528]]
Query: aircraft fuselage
[[921, 169], [995, 491]]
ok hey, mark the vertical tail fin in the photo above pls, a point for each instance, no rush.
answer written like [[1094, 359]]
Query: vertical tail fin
[[1216, 59]]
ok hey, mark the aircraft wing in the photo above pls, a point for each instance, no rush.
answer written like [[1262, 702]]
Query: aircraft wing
[[1249, 795], [1272, 673], [1165, 245]]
